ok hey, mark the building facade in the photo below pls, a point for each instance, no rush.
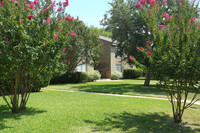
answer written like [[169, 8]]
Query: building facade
[[109, 63]]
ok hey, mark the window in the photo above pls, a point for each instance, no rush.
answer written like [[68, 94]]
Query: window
[[118, 67], [116, 50], [81, 68]]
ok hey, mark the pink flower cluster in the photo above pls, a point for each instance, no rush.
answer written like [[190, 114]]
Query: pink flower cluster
[[152, 2], [139, 48], [192, 20], [143, 2], [47, 21], [167, 16], [149, 53], [70, 18], [56, 36], [148, 42], [139, 5], [164, 2], [29, 17], [66, 3], [6, 41], [73, 34], [161, 27], [21, 20], [131, 58]]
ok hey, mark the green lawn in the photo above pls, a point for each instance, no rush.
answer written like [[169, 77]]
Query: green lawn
[[127, 87], [72, 112]]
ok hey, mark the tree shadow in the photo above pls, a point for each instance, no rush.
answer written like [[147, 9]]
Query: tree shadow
[[123, 88], [5, 113], [142, 123]]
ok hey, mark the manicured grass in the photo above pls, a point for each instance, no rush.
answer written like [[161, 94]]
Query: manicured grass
[[71, 112], [127, 87]]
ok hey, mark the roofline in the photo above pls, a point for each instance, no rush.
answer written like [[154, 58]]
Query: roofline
[[108, 40]]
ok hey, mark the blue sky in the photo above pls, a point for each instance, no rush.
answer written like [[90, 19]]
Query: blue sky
[[90, 11]]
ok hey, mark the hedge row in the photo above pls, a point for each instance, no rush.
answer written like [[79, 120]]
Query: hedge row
[[132, 73], [76, 77]]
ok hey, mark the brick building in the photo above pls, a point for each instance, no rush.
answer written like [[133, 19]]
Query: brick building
[[109, 63]]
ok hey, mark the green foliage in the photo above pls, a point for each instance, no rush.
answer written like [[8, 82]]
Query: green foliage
[[101, 31], [116, 75], [175, 59], [132, 73], [83, 47], [93, 75], [127, 27], [69, 77], [27, 46]]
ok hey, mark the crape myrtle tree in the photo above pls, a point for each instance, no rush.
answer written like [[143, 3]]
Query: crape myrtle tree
[[82, 47], [30, 43], [130, 30], [173, 50]]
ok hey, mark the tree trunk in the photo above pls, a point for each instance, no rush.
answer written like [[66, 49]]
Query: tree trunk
[[147, 80]]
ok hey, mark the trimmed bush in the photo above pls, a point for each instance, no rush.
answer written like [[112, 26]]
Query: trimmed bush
[[116, 75], [93, 75], [132, 73], [73, 77]]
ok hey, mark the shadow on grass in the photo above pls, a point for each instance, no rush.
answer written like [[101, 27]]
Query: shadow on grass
[[122, 89], [5, 113], [142, 123]]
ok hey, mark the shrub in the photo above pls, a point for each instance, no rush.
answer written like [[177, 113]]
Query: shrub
[[116, 75], [93, 75], [72, 77], [132, 73]]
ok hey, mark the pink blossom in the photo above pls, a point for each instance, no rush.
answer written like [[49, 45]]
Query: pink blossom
[[144, 2], [137, 48], [47, 21], [73, 34], [148, 42], [45, 9], [161, 27], [66, 3], [32, 5], [152, 2], [59, 9], [59, 28], [64, 49], [21, 20], [149, 12], [141, 48], [56, 36], [36, 2], [44, 42], [149, 53], [70, 18], [59, 3], [193, 2], [13, 1], [180, 3], [6, 41], [29, 17], [131, 58], [192, 20], [164, 2], [51, 7], [167, 16], [1, 3], [138, 5], [57, 19]]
